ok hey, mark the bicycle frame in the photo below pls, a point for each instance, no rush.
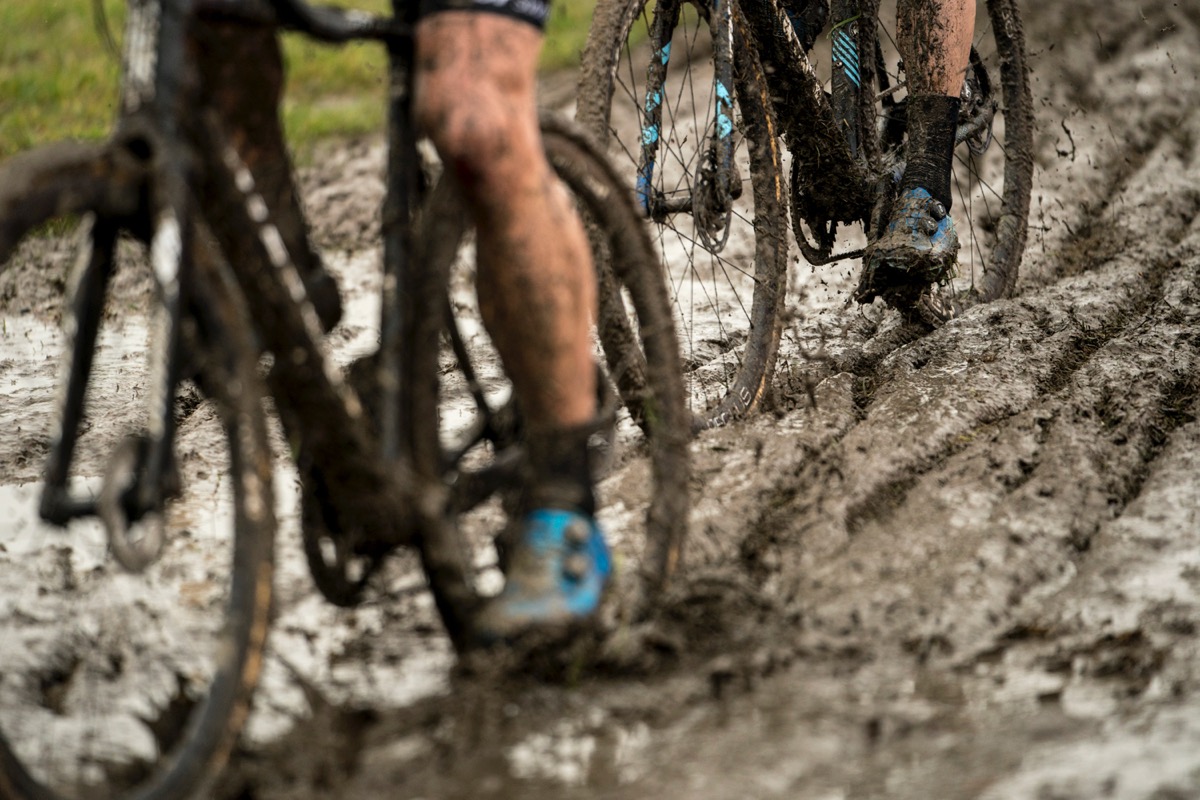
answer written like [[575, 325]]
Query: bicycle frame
[[367, 475]]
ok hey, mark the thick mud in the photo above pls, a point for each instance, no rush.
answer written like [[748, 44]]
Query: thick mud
[[962, 564]]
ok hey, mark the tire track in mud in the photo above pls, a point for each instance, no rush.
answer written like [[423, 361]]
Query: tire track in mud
[[924, 409], [894, 557], [1056, 336], [1161, 141], [1099, 153]]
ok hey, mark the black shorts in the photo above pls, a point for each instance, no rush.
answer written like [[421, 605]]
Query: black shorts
[[535, 12]]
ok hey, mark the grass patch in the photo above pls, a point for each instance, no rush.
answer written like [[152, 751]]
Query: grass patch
[[566, 33], [59, 81]]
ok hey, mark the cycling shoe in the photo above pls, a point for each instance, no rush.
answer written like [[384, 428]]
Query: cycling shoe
[[556, 578], [918, 248]]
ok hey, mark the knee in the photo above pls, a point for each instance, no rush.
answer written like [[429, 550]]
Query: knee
[[469, 130], [462, 132], [478, 132]]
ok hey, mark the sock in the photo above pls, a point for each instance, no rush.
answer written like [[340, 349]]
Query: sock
[[560, 469], [932, 122]]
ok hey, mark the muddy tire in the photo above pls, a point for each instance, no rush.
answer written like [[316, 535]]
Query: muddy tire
[[144, 682], [740, 284], [638, 336], [999, 278]]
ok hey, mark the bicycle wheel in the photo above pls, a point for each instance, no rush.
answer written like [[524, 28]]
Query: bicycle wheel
[[993, 163], [115, 683], [993, 184], [476, 448], [726, 271], [637, 333]]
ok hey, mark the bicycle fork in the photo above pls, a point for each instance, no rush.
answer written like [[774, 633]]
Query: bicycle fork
[[715, 188], [141, 472]]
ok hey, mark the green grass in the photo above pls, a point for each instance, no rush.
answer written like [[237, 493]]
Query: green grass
[[566, 32], [58, 80]]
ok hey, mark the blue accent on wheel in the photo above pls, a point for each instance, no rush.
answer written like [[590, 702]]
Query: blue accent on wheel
[[642, 189], [665, 53], [653, 101], [724, 125], [649, 135], [724, 103]]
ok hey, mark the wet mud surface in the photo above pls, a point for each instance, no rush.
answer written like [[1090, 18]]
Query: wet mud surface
[[962, 564]]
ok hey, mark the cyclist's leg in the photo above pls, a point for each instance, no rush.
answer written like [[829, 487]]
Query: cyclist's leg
[[476, 98], [934, 37], [241, 77]]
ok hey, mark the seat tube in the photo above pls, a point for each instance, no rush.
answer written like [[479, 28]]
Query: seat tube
[[403, 184]]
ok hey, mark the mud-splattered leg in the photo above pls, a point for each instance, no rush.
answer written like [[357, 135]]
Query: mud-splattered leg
[[934, 37], [476, 98]]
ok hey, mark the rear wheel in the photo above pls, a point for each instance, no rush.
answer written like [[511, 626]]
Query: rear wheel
[[117, 683], [647, 92], [993, 180]]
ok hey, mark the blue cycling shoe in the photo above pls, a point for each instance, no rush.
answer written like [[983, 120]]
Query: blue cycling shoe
[[917, 251], [556, 578]]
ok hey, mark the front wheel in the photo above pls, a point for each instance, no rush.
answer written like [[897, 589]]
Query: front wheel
[[653, 91]]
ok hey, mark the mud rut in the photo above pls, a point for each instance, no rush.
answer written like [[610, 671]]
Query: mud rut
[[970, 569]]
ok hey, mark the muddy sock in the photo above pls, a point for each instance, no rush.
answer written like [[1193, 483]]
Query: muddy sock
[[932, 122], [560, 470]]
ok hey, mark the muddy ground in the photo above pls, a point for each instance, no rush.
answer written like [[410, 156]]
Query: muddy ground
[[970, 570]]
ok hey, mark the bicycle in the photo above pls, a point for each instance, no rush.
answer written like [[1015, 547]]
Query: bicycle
[[147, 700], [695, 100]]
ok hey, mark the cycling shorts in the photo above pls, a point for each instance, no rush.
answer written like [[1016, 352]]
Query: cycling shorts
[[535, 12]]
